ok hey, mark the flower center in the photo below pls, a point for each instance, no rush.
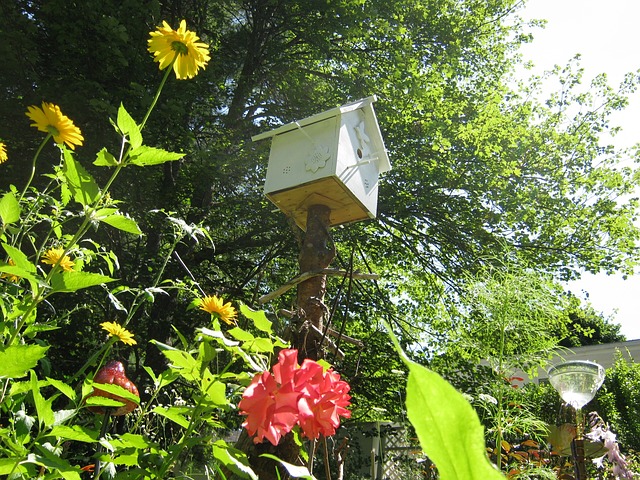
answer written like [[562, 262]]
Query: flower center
[[179, 47]]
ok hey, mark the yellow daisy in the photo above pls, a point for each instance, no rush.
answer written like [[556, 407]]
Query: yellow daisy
[[3, 152], [165, 43], [116, 330], [55, 255], [216, 306], [49, 119]]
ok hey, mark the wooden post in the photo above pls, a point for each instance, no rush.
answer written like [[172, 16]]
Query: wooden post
[[316, 253]]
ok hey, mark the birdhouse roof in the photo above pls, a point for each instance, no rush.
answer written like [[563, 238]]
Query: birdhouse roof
[[365, 103]]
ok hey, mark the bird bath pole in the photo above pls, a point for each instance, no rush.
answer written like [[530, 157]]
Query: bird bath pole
[[577, 383]]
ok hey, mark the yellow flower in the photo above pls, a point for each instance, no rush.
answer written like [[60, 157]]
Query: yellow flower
[[12, 278], [55, 255], [216, 306], [115, 330], [49, 119], [165, 43], [3, 152]]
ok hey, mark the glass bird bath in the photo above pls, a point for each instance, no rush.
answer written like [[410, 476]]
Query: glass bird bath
[[577, 383]]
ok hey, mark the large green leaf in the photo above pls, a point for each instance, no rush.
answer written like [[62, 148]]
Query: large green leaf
[[129, 127], [121, 222], [144, 156], [73, 281], [175, 414], [16, 360], [258, 317], [77, 433], [82, 185], [9, 209], [447, 426]]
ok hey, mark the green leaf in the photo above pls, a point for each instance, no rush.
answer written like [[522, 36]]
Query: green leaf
[[62, 387], [82, 185], [174, 414], [219, 336], [16, 360], [12, 465], [213, 389], [19, 258], [9, 209], [129, 127], [43, 407], [258, 317], [77, 433], [73, 281], [100, 401], [117, 390], [144, 156], [105, 159], [259, 345], [294, 470], [235, 460], [122, 222], [240, 334], [187, 366], [447, 426]]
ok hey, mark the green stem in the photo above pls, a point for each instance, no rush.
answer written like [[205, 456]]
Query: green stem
[[33, 166], [155, 99]]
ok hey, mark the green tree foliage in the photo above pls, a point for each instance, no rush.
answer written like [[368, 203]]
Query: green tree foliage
[[587, 327], [617, 401]]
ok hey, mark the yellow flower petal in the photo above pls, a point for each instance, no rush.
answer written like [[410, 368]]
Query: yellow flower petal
[[54, 256], [3, 152], [49, 119], [216, 306], [116, 330], [182, 45]]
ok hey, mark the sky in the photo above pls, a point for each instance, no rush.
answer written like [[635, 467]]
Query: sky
[[606, 35]]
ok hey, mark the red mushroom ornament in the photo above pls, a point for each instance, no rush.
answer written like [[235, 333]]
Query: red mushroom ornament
[[113, 373]]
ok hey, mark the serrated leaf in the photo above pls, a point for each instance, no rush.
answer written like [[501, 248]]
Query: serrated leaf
[[117, 390], [100, 401], [144, 156], [9, 209], [129, 127], [73, 281], [16, 360], [122, 222], [65, 389], [62, 416], [76, 433], [19, 258], [105, 159], [43, 406], [174, 414], [258, 317], [83, 187]]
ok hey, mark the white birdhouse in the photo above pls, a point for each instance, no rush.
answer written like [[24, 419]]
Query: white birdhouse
[[333, 158]]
